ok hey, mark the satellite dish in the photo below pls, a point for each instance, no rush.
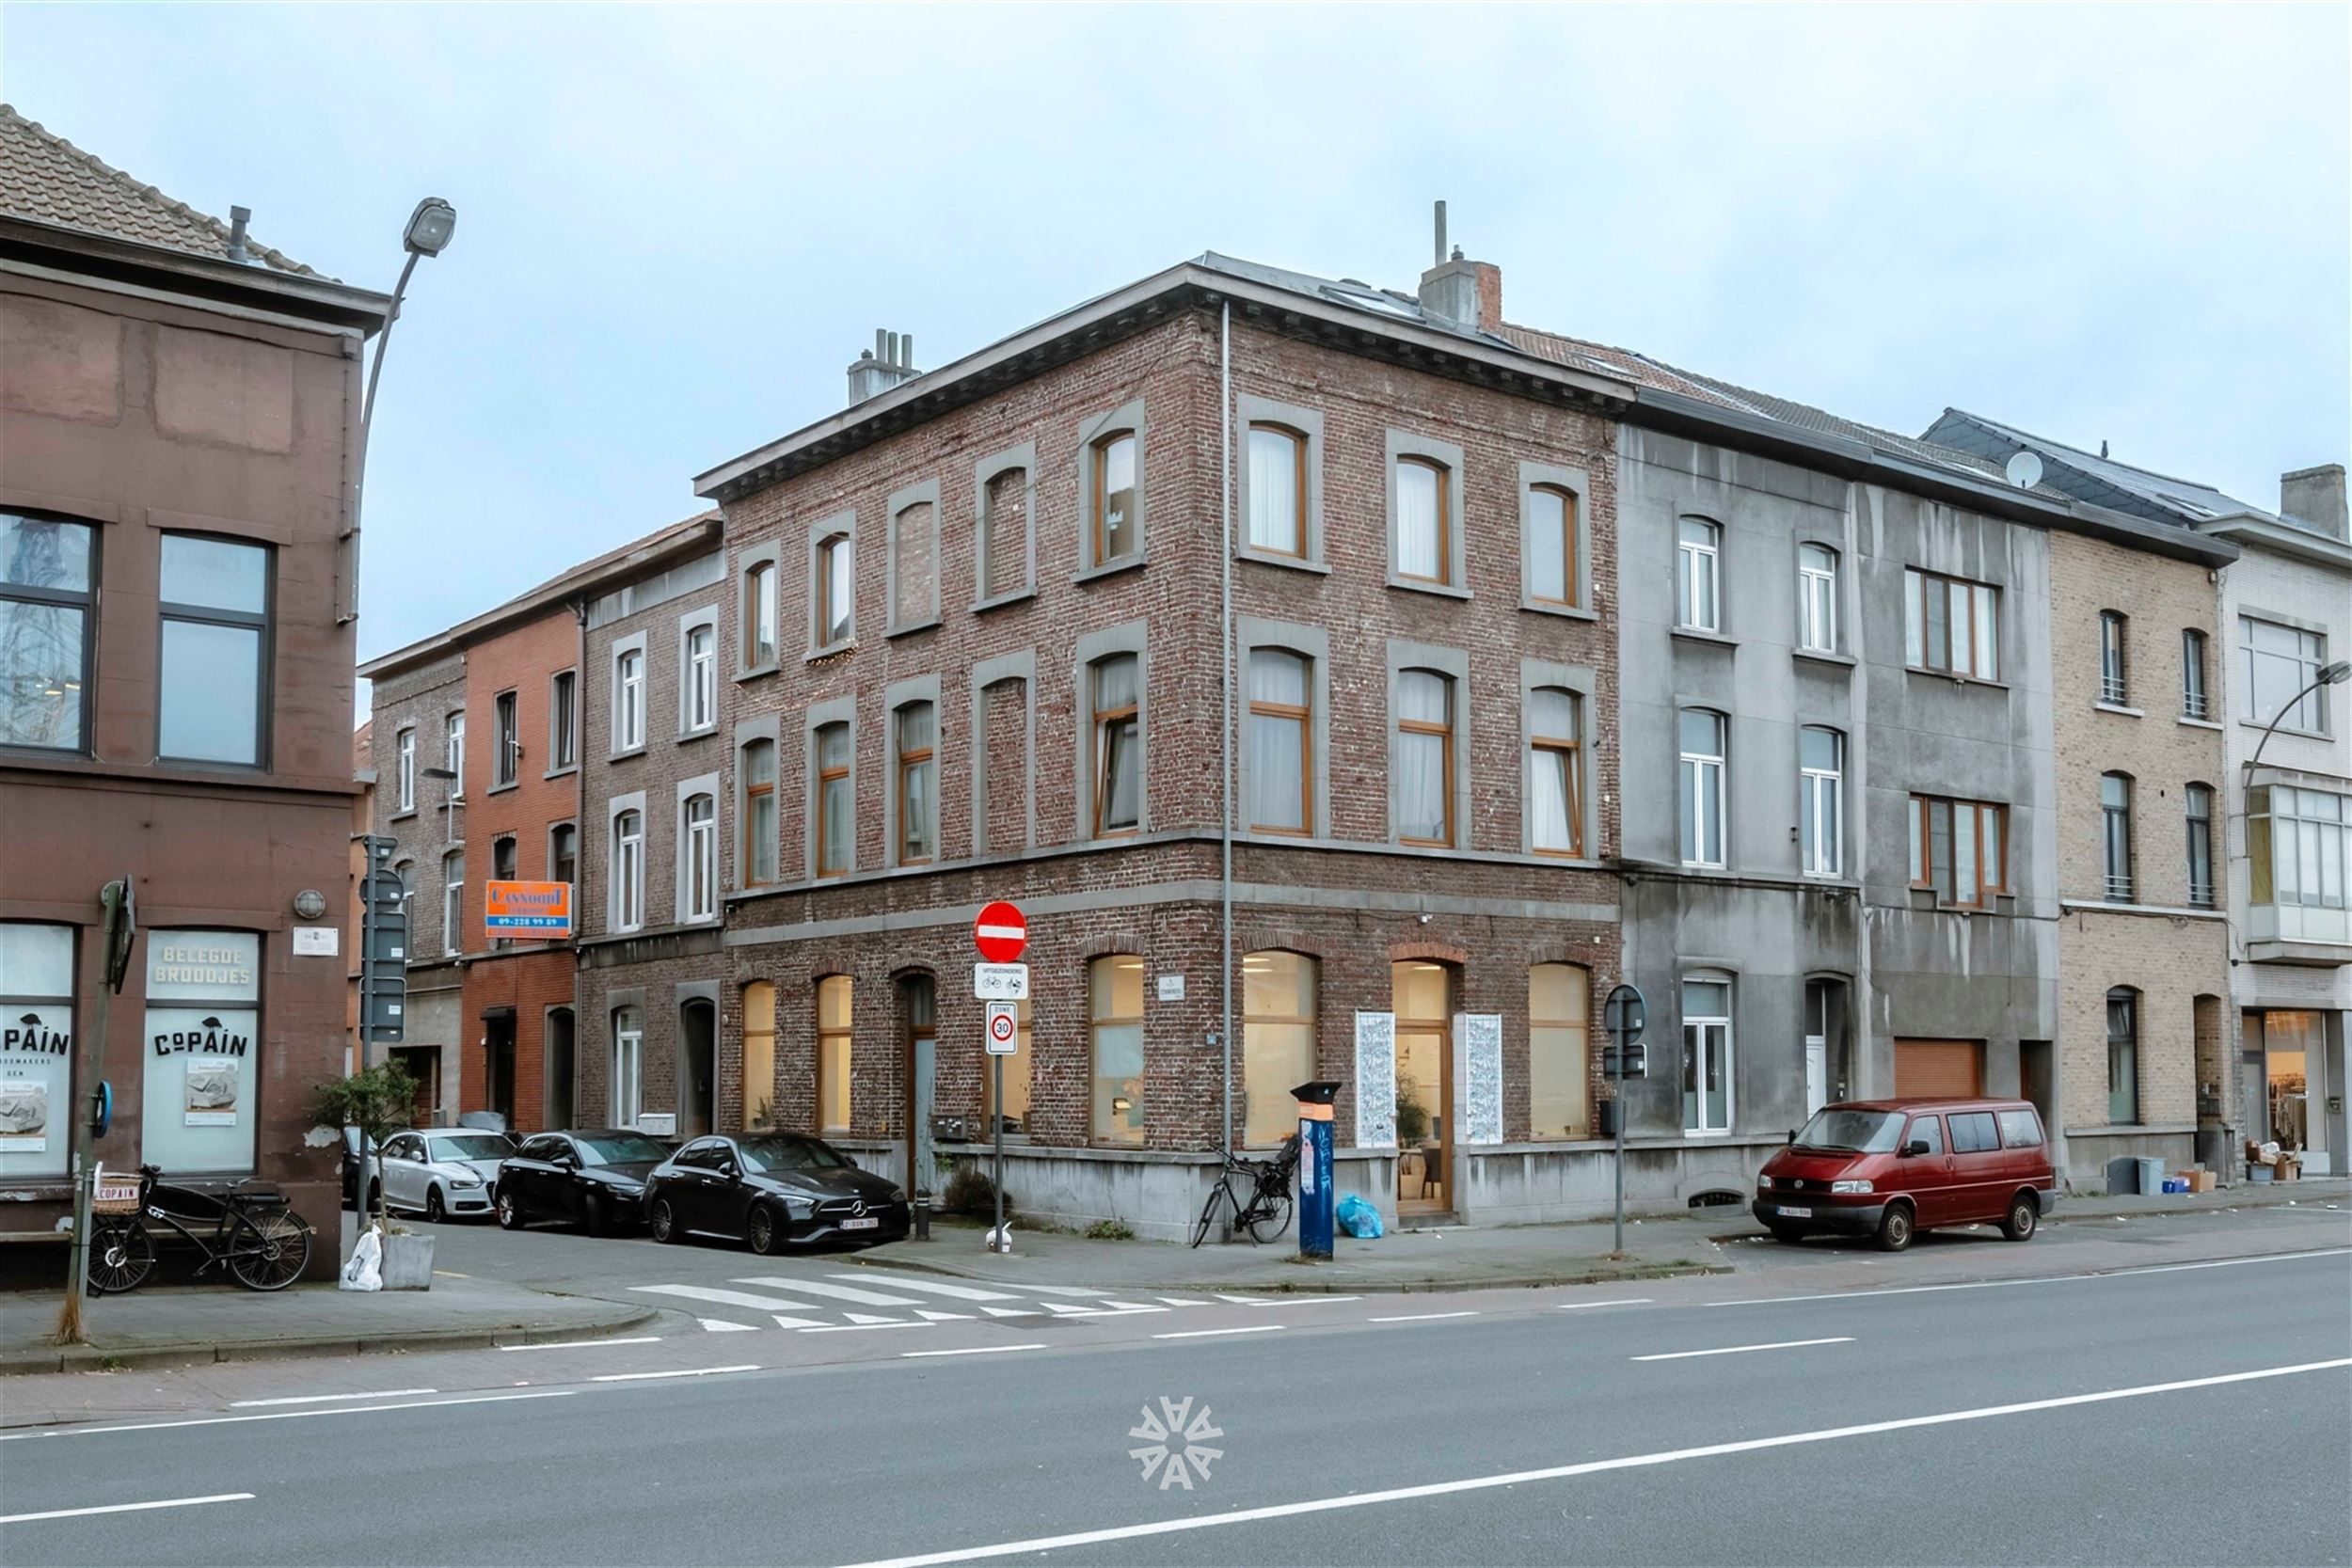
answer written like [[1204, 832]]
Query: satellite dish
[[2023, 470]]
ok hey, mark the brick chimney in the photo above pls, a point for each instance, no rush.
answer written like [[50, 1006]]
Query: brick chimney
[[879, 369], [2315, 497], [1468, 294]]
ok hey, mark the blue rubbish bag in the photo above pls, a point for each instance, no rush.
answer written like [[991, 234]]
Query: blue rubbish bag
[[1359, 1219]]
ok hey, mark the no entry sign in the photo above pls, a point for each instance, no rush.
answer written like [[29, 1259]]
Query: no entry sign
[[1001, 933]]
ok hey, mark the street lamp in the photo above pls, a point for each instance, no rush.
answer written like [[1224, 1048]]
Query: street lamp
[[427, 233], [2330, 675], [448, 797]]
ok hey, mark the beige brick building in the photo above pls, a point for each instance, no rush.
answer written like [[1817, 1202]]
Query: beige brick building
[[2143, 942]]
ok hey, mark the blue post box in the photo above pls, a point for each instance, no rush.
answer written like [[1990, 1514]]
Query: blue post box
[[1317, 1203]]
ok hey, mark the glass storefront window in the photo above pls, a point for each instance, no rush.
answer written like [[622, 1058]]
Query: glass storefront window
[[1277, 1042], [203, 1050], [1115, 993], [36, 1049]]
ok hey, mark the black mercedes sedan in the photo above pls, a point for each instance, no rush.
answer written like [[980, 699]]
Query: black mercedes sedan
[[592, 1178], [770, 1190]]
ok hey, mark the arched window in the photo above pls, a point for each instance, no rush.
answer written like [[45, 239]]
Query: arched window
[[1277, 490], [759, 1055], [1701, 787], [759, 615], [1005, 533], [1115, 534], [1280, 763], [2122, 1056], [1424, 785], [914, 566], [1277, 1042], [1424, 528], [702, 858], [834, 1053], [1116, 697], [1817, 598], [1698, 591], [628, 1066], [2115, 810], [835, 590], [629, 871], [1551, 563], [1555, 771], [1559, 1057], [1115, 1017]]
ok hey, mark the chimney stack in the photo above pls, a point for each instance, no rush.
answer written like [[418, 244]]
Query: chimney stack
[[1468, 294], [890, 361], [238, 218], [2315, 499]]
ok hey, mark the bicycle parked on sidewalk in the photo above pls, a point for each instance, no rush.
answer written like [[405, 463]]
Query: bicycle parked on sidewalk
[[246, 1227], [1267, 1213]]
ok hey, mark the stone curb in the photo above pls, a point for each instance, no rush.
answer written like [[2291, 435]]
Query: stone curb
[[1347, 1287], [73, 1358]]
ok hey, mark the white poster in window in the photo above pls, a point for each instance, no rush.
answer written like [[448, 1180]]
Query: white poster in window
[[36, 1058], [212, 1091], [1375, 1080], [1478, 1078]]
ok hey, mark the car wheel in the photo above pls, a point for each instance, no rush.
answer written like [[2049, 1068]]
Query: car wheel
[[510, 1212], [591, 1216], [761, 1230], [1788, 1233], [376, 1197], [1895, 1227], [434, 1209], [2023, 1216], [663, 1222]]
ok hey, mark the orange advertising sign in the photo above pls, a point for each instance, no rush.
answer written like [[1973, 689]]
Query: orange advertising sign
[[532, 909]]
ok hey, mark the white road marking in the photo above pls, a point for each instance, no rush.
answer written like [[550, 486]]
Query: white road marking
[[1063, 1308], [1204, 1332], [1306, 1299], [1011, 1312], [783, 1322], [1131, 1306], [2038, 1279], [1183, 1301], [935, 1286], [839, 1292], [1742, 1349], [720, 1325], [968, 1350], [1563, 1472], [290, 1415], [583, 1344], [1585, 1306], [330, 1399], [929, 1316], [1419, 1317], [682, 1371], [871, 1319], [726, 1298], [860, 1328], [128, 1508], [1064, 1290]]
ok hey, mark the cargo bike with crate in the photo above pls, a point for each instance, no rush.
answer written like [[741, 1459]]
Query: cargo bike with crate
[[244, 1227]]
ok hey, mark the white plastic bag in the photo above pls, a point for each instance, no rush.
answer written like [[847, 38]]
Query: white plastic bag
[[364, 1271]]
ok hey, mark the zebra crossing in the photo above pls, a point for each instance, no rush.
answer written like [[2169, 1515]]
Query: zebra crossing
[[881, 1299]]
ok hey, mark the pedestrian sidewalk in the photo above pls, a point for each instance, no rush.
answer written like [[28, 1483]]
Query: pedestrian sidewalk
[[173, 1325], [2312, 1192]]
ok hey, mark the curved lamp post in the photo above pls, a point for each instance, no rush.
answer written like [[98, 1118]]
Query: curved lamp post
[[427, 233], [2330, 675]]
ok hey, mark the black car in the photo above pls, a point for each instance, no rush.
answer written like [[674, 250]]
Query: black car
[[348, 1158], [772, 1190], [593, 1176]]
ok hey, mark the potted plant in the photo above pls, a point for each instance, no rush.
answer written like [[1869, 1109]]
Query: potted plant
[[375, 1103], [1412, 1116]]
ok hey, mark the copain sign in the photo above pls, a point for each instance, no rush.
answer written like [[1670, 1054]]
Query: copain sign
[[541, 909]]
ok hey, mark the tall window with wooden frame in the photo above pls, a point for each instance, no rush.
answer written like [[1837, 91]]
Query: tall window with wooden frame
[[1555, 728], [1277, 490], [1959, 849], [760, 856], [914, 734], [1424, 531], [562, 720], [1552, 565], [506, 742], [1559, 1054], [759, 1055], [1950, 625], [759, 615], [835, 590], [1277, 1042], [1115, 1022], [834, 996], [1281, 743], [1115, 694], [1424, 785], [836, 819], [1116, 535]]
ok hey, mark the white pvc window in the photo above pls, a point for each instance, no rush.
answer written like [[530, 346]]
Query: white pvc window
[[1706, 1055], [629, 871], [454, 753], [1816, 600], [628, 699], [629, 1060], [1698, 594], [407, 770], [454, 902], [701, 677], [702, 858], [1820, 800], [1701, 787]]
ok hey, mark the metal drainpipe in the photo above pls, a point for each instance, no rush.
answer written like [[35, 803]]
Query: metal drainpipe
[[1225, 772]]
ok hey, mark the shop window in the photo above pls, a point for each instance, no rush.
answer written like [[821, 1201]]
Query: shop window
[[833, 1053], [1115, 1012], [203, 1055], [36, 1049], [1559, 1057], [1277, 1042], [759, 1055]]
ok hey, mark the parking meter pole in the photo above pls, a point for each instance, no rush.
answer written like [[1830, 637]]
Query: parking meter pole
[[1317, 1203], [1618, 1118]]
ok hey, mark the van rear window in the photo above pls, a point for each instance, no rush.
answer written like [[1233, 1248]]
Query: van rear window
[[2021, 1130], [1973, 1130]]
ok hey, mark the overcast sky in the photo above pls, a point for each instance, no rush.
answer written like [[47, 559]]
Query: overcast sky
[[676, 227]]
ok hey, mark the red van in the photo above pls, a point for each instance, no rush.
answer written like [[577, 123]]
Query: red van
[[1891, 1168]]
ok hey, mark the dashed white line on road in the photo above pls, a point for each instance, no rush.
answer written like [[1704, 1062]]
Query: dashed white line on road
[[721, 1325], [1205, 1333], [1586, 1306], [1185, 1301], [583, 1344], [968, 1350], [1309, 1298], [127, 1507], [726, 1298], [934, 1286], [330, 1399], [1741, 1349], [860, 1328], [1419, 1317], [1563, 1472], [288, 1414], [682, 1371], [2038, 1279], [839, 1292]]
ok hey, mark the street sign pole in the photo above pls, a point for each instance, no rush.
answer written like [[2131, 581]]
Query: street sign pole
[[121, 924], [1625, 1015], [997, 1237], [1001, 933]]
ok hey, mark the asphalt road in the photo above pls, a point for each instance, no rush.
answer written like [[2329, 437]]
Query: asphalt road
[[2199, 1413]]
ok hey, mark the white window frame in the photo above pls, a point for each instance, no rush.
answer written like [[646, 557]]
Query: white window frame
[[1690, 799], [626, 853], [698, 673], [628, 695], [2307, 671], [699, 877], [405, 748], [453, 903], [628, 1067], [1703, 1034], [506, 739], [1816, 600], [453, 751], [1690, 554], [562, 722], [1818, 788]]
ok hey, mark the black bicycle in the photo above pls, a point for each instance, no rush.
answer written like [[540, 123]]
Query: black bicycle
[[246, 1227], [1267, 1213]]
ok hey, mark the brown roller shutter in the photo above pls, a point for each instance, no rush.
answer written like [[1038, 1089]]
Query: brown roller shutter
[[1943, 1069]]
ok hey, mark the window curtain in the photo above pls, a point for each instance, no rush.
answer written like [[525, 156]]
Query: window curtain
[[1276, 742], [1274, 509], [1552, 716], [1421, 698], [835, 809], [917, 730], [1417, 554], [1116, 688]]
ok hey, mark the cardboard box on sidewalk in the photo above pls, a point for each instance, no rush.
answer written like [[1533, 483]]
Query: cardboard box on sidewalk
[[2199, 1179]]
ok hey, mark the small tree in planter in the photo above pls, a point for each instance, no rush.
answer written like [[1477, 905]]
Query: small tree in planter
[[374, 1102]]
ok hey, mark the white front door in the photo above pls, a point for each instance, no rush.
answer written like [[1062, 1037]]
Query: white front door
[[1816, 1074]]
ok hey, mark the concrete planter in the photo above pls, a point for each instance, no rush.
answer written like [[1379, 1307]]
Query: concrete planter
[[408, 1262]]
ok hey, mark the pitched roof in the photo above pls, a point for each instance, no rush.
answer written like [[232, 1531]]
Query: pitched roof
[[2141, 492], [47, 178]]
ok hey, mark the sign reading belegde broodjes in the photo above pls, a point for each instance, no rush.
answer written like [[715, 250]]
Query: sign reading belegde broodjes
[[541, 909]]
